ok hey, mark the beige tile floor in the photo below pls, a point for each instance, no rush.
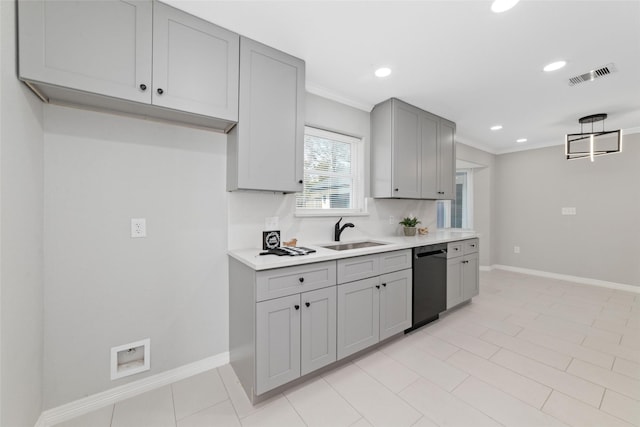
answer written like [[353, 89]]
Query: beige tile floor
[[528, 351]]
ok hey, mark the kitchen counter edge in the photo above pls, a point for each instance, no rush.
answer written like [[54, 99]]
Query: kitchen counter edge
[[251, 256]]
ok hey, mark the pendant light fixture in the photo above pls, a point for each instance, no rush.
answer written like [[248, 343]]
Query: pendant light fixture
[[594, 143]]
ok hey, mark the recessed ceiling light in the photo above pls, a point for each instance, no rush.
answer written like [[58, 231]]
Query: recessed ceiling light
[[496, 127], [555, 66], [521, 140], [499, 6], [383, 72]]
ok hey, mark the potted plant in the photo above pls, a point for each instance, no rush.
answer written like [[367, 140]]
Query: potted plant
[[409, 224]]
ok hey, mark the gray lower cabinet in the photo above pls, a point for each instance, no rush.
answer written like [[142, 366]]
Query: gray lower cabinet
[[277, 342], [318, 332], [470, 279], [134, 56], [462, 271], [265, 149], [374, 299], [282, 323], [358, 315], [295, 335], [285, 323], [395, 303]]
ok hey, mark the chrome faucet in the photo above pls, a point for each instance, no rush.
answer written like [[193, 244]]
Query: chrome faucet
[[338, 230]]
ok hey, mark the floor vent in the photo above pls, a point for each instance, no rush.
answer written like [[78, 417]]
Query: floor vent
[[593, 74]]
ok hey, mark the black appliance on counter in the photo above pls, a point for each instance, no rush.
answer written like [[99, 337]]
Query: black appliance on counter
[[429, 284]]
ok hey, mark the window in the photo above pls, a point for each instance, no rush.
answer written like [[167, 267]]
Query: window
[[458, 213], [333, 174]]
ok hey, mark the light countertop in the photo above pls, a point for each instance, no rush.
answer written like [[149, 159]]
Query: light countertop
[[252, 258]]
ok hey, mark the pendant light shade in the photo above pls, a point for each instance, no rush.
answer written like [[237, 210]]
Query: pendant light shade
[[593, 143]]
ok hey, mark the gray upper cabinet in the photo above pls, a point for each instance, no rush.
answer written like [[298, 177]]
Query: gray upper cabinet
[[139, 57], [406, 163], [429, 172], [265, 150], [195, 65], [412, 151], [447, 160], [100, 47]]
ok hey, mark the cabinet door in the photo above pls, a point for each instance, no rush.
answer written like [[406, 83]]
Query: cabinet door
[[470, 279], [395, 303], [195, 64], [447, 160], [277, 342], [358, 315], [406, 151], [454, 282], [429, 160], [318, 336], [271, 129], [102, 47]]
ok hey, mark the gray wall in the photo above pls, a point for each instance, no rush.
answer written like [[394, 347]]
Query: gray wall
[[483, 198], [21, 230], [600, 242], [105, 289]]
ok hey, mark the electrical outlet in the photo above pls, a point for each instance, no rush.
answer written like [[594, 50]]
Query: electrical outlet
[[138, 227], [392, 219], [516, 249]]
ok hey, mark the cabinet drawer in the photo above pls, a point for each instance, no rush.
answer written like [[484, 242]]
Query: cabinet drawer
[[351, 269], [454, 249], [292, 280], [471, 246], [395, 261]]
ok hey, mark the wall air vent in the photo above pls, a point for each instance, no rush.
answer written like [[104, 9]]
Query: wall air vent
[[593, 74]]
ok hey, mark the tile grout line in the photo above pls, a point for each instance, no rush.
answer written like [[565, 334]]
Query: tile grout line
[[547, 385], [173, 403], [295, 410], [113, 410], [340, 394], [226, 389]]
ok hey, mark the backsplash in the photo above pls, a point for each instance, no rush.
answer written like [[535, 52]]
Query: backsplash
[[248, 210]]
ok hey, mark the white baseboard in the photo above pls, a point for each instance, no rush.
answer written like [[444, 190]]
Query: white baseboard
[[91, 403], [568, 278], [486, 267]]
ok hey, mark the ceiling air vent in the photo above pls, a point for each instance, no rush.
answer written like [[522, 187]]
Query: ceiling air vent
[[593, 74]]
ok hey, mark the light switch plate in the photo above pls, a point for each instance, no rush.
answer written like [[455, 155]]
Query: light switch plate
[[568, 211]]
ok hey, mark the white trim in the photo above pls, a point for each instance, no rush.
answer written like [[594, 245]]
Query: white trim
[[358, 199], [487, 267], [96, 401], [569, 278]]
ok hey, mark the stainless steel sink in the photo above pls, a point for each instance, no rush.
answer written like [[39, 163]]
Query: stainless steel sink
[[354, 245]]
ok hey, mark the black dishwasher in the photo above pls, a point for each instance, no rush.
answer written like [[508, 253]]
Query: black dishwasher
[[429, 284]]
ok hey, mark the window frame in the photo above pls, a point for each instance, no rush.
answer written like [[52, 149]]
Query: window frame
[[359, 202], [446, 205]]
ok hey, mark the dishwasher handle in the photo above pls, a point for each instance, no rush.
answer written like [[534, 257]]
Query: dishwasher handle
[[438, 252]]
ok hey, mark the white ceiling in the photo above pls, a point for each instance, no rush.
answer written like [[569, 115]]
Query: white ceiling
[[459, 60]]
